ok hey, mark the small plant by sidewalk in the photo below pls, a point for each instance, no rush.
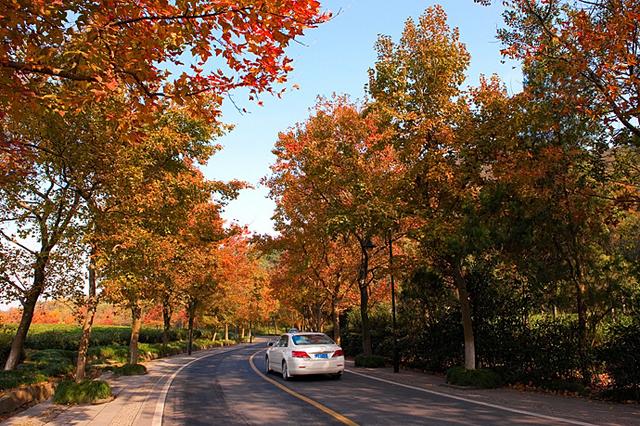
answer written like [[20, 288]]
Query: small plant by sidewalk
[[481, 378], [130, 370], [369, 361], [86, 392], [13, 379]]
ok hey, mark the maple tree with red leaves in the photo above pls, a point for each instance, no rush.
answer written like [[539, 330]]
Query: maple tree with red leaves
[[63, 55]]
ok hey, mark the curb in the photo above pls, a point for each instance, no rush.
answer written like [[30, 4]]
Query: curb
[[23, 395], [459, 387]]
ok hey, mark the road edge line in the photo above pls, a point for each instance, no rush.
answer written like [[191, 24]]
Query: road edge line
[[339, 417], [472, 401], [158, 413]]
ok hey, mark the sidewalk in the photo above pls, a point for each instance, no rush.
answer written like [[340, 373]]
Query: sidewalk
[[567, 407], [134, 404]]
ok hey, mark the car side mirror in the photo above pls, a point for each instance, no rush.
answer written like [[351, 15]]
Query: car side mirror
[[270, 344]]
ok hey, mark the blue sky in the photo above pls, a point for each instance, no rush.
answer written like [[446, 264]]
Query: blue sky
[[335, 58]]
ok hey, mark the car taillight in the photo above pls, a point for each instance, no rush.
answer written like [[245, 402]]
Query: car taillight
[[338, 353], [299, 354]]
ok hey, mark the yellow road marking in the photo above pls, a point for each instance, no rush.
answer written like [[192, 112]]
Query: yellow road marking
[[339, 417]]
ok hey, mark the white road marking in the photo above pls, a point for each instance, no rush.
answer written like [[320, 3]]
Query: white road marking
[[485, 404], [159, 411]]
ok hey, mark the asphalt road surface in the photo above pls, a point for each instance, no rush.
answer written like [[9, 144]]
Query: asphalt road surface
[[224, 389]]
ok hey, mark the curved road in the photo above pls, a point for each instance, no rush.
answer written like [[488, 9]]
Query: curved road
[[225, 389]]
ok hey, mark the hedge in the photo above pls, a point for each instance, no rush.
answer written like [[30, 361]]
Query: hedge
[[88, 391]]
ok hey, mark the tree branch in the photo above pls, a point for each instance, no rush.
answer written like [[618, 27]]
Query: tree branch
[[14, 241], [45, 70]]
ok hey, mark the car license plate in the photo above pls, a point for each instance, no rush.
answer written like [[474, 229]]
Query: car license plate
[[324, 356]]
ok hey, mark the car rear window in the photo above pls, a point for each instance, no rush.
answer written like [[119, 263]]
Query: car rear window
[[312, 339]]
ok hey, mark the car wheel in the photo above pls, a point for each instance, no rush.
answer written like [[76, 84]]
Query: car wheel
[[267, 368], [336, 376], [285, 372]]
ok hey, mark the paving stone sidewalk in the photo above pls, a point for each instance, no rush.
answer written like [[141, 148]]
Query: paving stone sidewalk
[[134, 404]]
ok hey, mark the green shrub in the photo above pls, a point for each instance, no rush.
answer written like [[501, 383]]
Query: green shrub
[[52, 362], [112, 354], [7, 332], [369, 361], [566, 385], [67, 337], [88, 391], [621, 356], [481, 378], [379, 327], [130, 370], [13, 379]]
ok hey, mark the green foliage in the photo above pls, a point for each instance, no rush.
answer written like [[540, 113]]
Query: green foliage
[[119, 354], [130, 370], [88, 391], [13, 379], [369, 361], [570, 385], [380, 328], [6, 335], [51, 362], [621, 356], [480, 378], [112, 354], [67, 337]]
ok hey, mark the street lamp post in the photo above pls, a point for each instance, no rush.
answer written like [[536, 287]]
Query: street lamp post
[[396, 355]]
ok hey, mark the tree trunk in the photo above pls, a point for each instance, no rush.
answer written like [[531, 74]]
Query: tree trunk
[[242, 332], [92, 306], [83, 348], [319, 318], [136, 325], [367, 348], [467, 323], [17, 345], [583, 339], [364, 314], [192, 314], [215, 334], [29, 307], [335, 321], [166, 320], [250, 331], [226, 332]]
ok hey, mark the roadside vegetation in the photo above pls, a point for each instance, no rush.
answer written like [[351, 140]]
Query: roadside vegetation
[[506, 222], [85, 392], [50, 351]]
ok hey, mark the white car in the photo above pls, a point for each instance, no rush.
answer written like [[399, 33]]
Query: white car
[[297, 354]]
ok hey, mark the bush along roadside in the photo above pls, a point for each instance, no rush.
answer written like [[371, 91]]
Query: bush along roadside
[[86, 392], [130, 370], [483, 378], [55, 364], [369, 361]]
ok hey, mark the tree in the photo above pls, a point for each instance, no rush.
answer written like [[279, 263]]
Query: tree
[[337, 159], [590, 48], [40, 215], [196, 262], [143, 241], [415, 83], [99, 49]]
